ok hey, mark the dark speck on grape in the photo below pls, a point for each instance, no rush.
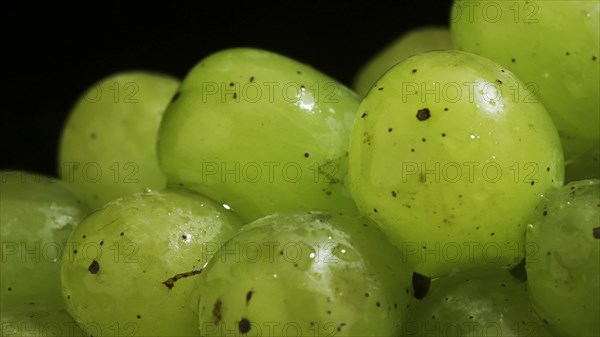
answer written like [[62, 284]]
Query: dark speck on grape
[[414, 71], [377, 304], [568, 54], [364, 115], [251, 79], [394, 194], [217, 311], [544, 213], [94, 268], [122, 234], [594, 58], [244, 326], [306, 155], [231, 84], [390, 129], [380, 89], [93, 135], [596, 233], [423, 114], [249, 296], [139, 317], [513, 60]]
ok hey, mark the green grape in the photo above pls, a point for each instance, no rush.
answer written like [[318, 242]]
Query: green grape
[[563, 262], [37, 215], [449, 161], [412, 43], [38, 319], [305, 274], [560, 61], [261, 133], [108, 145], [134, 267], [475, 303]]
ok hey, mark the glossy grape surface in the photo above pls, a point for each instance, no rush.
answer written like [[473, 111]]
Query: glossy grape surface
[[449, 154], [475, 303], [305, 274], [554, 46], [563, 264], [260, 132], [37, 215], [136, 262]]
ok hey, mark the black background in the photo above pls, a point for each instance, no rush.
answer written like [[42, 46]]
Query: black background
[[54, 52]]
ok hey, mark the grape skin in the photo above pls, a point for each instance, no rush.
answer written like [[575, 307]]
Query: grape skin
[[563, 266], [305, 273], [37, 215], [137, 260], [420, 162], [476, 303], [261, 133], [413, 42], [108, 143], [560, 62]]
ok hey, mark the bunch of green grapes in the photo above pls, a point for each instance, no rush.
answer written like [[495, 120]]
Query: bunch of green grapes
[[442, 170]]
